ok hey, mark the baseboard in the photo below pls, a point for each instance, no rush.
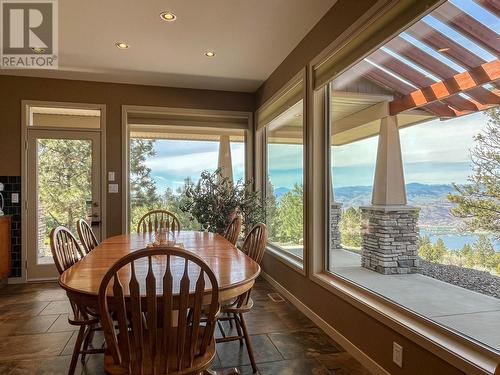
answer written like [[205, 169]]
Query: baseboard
[[357, 353], [16, 280]]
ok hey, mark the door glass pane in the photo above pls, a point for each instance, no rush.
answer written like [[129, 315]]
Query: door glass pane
[[64, 188]]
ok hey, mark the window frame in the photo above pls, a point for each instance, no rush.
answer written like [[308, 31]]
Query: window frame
[[276, 102]]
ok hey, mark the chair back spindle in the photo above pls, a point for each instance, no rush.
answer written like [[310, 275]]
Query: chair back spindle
[[233, 230], [158, 219], [87, 236], [160, 328], [65, 248]]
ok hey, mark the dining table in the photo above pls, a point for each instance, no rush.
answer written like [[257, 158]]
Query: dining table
[[235, 272]]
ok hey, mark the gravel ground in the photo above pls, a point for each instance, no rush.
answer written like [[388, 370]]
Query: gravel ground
[[478, 281]]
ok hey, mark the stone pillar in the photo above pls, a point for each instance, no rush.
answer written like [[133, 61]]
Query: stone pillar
[[390, 227], [390, 239], [225, 163], [335, 215]]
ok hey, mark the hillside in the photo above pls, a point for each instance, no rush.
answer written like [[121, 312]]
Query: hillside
[[431, 198]]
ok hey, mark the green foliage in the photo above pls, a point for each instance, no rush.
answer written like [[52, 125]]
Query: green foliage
[[350, 227], [215, 198], [288, 218], [65, 177], [143, 194], [479, 200], [481, 255]]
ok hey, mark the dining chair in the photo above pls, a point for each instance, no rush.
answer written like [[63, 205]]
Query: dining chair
[[233, 230], [254, 247], [160, 325], [156, 219], [87, 236], [66, 252]]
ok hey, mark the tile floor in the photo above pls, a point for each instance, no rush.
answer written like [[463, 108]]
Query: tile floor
[[36, 338]]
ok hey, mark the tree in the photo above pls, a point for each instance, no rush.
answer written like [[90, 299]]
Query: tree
[[143, 194], [65, 177], [484, 253], [467, 255], [288, 221], [479, 200], [432, 253], [350, 227]]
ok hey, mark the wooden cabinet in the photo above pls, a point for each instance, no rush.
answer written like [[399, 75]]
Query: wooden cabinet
[[5, 246]]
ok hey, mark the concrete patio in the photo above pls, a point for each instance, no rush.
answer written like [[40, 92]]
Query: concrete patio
[[469, 313]]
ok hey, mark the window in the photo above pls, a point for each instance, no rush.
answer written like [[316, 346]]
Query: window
[[162, 164], [285, 182], [64, 117], [414, 172]]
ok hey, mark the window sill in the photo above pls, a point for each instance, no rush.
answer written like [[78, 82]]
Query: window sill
[[468, 356], [293, 262]]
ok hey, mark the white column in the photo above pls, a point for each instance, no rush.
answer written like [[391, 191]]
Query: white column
[[225, 162], [389, 184]]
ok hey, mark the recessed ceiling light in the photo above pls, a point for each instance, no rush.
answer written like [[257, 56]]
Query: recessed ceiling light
[[168, 16], [38, 49], [121, 45], [443, 50], [210, 54]]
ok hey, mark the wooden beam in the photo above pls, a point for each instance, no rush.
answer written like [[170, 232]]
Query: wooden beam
[[492, 5], [447, 46], [419, 79], [461, 82], [465, 24], [436, 67]]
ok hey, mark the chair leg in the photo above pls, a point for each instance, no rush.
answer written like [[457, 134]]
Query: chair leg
[[238, 328], [248, 343], [76, 350], [223, 333], [88, 340]]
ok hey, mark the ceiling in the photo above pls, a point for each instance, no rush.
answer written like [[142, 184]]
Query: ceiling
[[250, 39]]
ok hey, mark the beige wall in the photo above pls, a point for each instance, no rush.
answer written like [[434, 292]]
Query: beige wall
[[13, 89], [368, 334]]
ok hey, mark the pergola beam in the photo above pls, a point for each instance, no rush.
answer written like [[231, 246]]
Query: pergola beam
[[492, 5], [478, 32], [462, 82], [431, 64], [419, 79]]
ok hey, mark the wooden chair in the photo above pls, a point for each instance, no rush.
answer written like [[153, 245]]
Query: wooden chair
[[156, 219], [87, 236], [160, 325], [66, 252], [233, 230], [254, 246]]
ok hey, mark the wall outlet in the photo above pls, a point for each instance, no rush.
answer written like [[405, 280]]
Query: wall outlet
[[397, 354], [14, 197]]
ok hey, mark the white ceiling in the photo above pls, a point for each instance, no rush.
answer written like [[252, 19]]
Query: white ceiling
[[250, 37]]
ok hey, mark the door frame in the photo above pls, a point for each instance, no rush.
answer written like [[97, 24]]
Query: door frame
[[25, 128]]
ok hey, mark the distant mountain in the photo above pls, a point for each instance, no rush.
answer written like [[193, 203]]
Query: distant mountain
[[431, 198], [279, 192]]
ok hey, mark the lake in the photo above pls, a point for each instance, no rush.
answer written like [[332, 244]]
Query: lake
[[454, 241]]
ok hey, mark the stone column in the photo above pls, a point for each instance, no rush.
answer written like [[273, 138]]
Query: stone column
[[390, 226], [335, 215], [225, 163]]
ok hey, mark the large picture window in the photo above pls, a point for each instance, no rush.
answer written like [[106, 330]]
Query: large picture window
[[414, 211]]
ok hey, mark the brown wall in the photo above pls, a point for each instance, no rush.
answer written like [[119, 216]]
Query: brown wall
[[368, 334], [13, 89]]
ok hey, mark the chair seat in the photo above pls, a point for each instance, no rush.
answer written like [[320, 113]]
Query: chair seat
[[231, 307], [200, 363]]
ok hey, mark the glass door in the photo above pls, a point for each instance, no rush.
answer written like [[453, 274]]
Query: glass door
[[64, 186]]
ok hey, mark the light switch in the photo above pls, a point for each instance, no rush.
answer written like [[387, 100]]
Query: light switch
[[15, 197], [113, 188], [111, 176]]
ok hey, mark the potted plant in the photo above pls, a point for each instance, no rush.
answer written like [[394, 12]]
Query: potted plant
[[215, 198]]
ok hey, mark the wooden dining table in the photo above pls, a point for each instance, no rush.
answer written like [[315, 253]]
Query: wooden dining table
[[235, 272]]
